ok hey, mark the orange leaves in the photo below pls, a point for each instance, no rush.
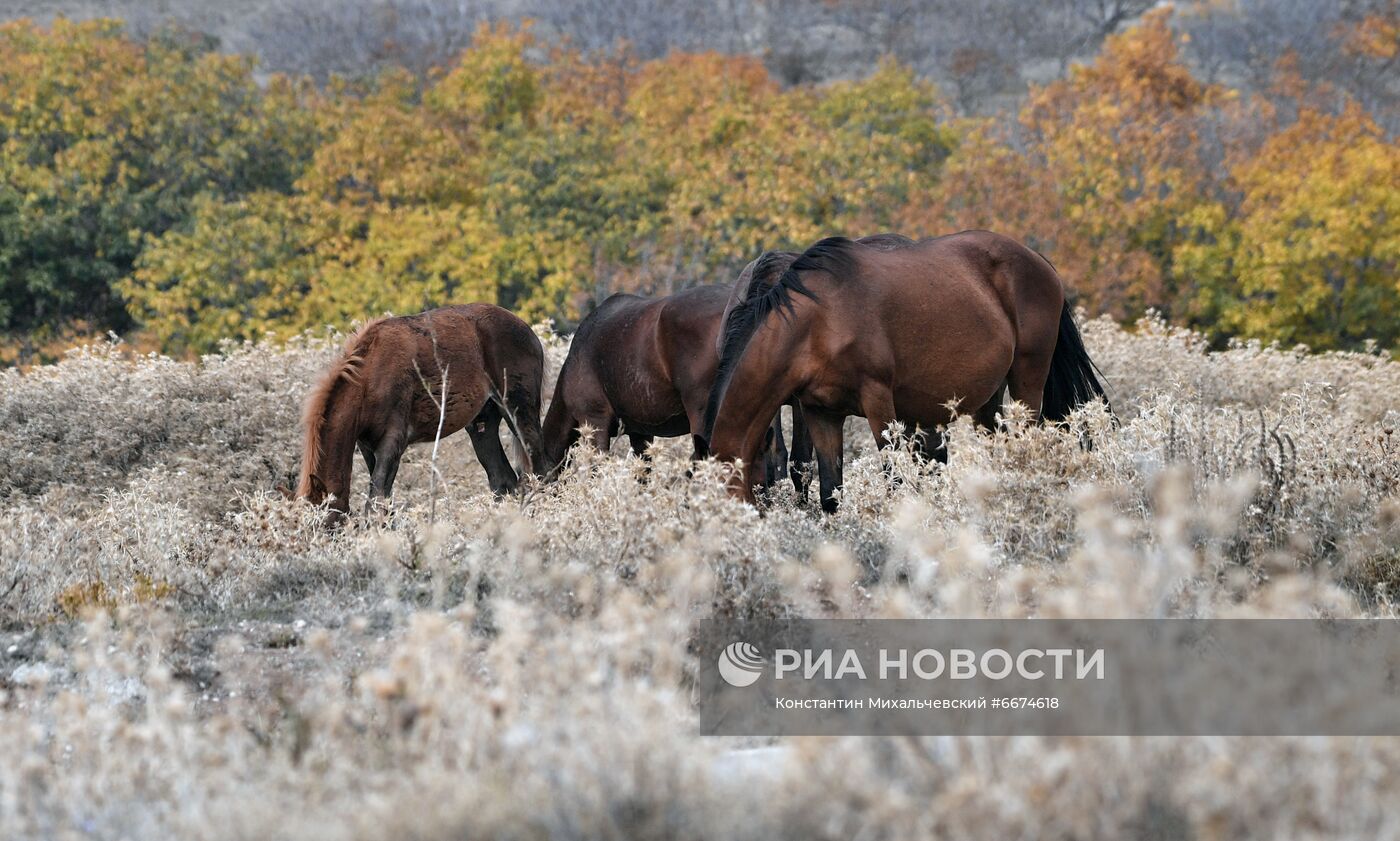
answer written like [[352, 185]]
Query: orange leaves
[[1121, 139], [686, 89], [1142, 68], [1376, 35]]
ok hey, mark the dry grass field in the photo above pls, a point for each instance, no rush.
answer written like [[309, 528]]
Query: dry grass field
[[185, 654]]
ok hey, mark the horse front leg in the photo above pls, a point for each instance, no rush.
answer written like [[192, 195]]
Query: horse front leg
[[800, 454], [775, 453], [384, 466], [877, 404], [828, 439]]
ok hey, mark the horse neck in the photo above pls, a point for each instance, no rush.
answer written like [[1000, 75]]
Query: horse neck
[[759, 385], [333, 461], [559, 433], [338, 439]]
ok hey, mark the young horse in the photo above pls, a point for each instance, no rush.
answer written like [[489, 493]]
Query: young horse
[[383, 394], [645, 366], [894, 330]]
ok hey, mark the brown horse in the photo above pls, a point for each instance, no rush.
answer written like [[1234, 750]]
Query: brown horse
[[478, 362], [774, 264], [893, 330], [644, 367]]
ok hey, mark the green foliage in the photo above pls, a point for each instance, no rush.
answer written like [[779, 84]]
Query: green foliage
[[540, 187], [240, 269], [104, 141]]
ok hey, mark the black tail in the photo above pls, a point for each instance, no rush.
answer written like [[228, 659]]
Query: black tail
[[1072, 381], [521, 410]]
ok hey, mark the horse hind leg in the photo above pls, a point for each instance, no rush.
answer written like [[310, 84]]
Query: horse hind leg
[[1026, 380], [367, 453], [485, 432], [987, 416], [639, 444]]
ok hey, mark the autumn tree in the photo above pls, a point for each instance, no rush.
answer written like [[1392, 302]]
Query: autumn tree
[[104, 141], [159, 186], [1310, 255], [1106, 165], [238, 270]]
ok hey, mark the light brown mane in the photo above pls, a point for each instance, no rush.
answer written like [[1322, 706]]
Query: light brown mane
[[346, 368]]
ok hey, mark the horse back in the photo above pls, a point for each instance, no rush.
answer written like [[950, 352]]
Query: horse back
[[508, 347], [687, 332], [612, 367], [971, 282], [645, 360], [935, 319]]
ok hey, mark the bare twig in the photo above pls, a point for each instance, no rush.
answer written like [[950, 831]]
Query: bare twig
[[522, 455], [10, 589], [440, 401]]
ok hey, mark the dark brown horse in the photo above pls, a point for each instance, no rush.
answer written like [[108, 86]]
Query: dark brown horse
[[644, 367], [893, 330], [478, 362]]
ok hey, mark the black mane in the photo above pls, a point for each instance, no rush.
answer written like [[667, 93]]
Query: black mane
[[833, 255]]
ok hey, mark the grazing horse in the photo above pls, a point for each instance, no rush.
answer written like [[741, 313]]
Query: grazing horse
[[644, 367], [774, 264], [411, 379], [893, 330]]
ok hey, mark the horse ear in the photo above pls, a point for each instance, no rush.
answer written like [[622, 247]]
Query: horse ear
[[285, 491], [318, 488]]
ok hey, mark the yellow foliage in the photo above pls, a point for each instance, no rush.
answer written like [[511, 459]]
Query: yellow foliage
[[1317, 239], [78, 600]]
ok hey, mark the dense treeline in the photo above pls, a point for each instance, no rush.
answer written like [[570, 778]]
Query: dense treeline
[[162, 188]]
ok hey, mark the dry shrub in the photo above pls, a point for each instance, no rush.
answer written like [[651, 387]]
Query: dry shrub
[[519, 669]]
